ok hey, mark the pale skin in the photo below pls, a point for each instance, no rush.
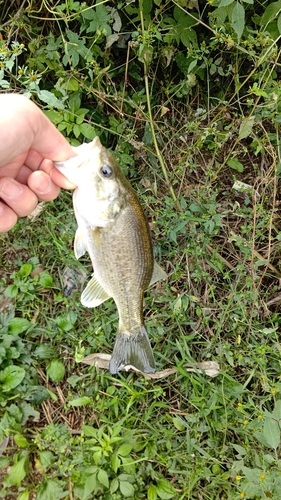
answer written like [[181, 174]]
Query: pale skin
[[29, 143]]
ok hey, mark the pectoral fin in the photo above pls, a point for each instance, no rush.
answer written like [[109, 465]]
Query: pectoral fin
[[94, 294], [158, 274], [79, 244]]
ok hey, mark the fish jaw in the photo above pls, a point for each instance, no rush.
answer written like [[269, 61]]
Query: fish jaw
[[98, 197], [79, 167], [132, 349], [96, 211]]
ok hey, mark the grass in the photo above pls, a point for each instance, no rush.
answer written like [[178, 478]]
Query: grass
[[204, 158]]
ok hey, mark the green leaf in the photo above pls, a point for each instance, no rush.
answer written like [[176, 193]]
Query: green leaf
[[4, 461], [24, 495], [65, 323], [238, 19], [75, 102], [152, 492], [45, 280], [146, 6], [277, 408], [111, 39], [84, 400], [17, 472], [53, 115], [185, 20], [240, 450], [124, 450], [178, 421], [88, 131], [164, 489], [147, 136], [46, 459], [11, 377], [21, 441], [279, 23], [250, 474], [44, 351], [76, 130], [90, 485], [50, 99], [56, 370], [18, 325], [25, 270], [3, 83], [89, 431], [50, 489], [72, 85], [235, 164], [224, 3], [103, 478], [246, 127], [114, 485], [188, 37], [270, 13], [126, 489], [115, 463], [11, 291], [271, 432]]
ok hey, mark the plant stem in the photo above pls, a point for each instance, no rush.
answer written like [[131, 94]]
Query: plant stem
[[152, 128]]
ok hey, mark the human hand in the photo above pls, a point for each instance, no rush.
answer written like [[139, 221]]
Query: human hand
[[28, 144]]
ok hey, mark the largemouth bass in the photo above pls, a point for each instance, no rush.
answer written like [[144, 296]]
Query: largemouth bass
[[113, 229]]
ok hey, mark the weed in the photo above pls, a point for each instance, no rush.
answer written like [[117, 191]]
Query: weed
[[187, 97]]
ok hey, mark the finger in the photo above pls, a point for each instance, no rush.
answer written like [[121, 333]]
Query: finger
[[61, 180], [43, 186], [33, 160], [17, 196], [23, 175], [58, 178], [39, 134], [8, 218]]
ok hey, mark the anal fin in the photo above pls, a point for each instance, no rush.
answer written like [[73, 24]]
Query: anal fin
[[94, 294], [157, 274]]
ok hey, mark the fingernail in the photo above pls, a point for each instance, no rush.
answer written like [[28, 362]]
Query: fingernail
[[42, 185], [11, 189]]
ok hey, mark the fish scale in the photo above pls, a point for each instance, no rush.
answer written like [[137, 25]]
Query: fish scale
[[113, 229], [134, 251]]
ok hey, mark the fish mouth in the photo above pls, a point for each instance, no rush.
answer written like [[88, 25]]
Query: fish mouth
[[82, 154]]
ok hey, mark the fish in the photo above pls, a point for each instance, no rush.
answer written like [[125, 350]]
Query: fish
[[113, 229]]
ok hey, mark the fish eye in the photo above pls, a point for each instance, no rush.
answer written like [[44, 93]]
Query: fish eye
[[106, 171]]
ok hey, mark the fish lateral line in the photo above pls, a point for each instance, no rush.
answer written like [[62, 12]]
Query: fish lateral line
[[113, 230]]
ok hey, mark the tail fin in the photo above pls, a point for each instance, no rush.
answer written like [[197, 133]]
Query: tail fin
[[132, 349]]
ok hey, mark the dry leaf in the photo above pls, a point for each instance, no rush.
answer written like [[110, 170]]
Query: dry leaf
[[164, 110], [211, 368], [72, 278], [151, 376], [101, 360], [98, 359], [37, 211], [4, 445]]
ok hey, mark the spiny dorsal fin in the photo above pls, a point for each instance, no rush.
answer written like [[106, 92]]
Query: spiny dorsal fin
[[94, 294]]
